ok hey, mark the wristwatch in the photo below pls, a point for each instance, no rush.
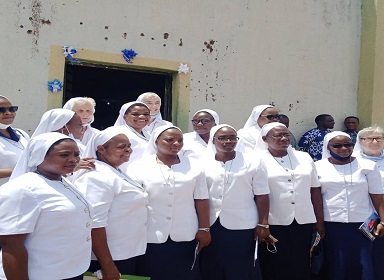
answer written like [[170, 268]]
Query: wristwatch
[[206, 229]]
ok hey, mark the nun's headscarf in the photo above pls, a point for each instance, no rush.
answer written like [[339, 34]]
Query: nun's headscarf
[[214, 115], [3, 97], [328, 137], [151, 148], [35, 152], [53, 120], [211, 145], [120, 119], [256, 112], [267, 127], [72, 102]]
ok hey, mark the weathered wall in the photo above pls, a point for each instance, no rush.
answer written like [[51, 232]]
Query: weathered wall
[[301, 55]]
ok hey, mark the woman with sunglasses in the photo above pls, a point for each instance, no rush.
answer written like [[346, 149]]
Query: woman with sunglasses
[[250, 134], [352, 190], [133, 118], [12, 141], [295, 207], [195, 143], [45, 223], [178, 210], [238, 198], [370, 145]]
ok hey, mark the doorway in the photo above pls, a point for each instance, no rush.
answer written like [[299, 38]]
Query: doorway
[[112, 86]]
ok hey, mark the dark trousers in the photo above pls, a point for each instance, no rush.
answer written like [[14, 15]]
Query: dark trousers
[[80, 277], [348, 252], [291, 261], [230, 256], [378, 258], [131, 266]]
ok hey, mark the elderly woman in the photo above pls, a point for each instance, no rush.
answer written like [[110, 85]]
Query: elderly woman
[[45, 223], [85, 108], [178, 214], [238, 197], [153, 101], [370, 145], [133, 117], [250, 134], [68, 123], [352, 190], [12, 141], [295, 206], [120, 206], [195, 143]]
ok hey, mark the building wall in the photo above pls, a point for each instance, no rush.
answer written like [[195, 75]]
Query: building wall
[[300, 55]]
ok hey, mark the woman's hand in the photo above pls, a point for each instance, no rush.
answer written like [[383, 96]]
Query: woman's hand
[[261, 233], [379, 230], [86, 163], [110, 273], [320, 228], [204, 239]]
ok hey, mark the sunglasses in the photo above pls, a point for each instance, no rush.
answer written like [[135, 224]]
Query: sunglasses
[[11, 109], [338, 146], [272, 117]]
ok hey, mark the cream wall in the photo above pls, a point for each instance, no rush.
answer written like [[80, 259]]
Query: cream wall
[[301, 55]]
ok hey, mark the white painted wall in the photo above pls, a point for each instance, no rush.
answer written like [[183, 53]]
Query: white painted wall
[[302, 55]]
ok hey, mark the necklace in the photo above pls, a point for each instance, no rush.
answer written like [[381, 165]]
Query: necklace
[[290, 171], [167, 181], [130, 180], [342, 174], [14, 143], [227, 171], [78, 195]]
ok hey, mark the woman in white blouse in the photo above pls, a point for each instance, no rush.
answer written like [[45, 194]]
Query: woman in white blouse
[[133, 117], [153, 101], [195, 143], [238, 198], [12, 141], [178, 215], [295, 207], [351, 189], [250, 134], [370, 145], [45, 223], [120, 206]]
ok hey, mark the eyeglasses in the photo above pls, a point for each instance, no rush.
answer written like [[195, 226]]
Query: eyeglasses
[[202, 121], [346, 145], [370, 139], [11, 109], [272, 117], [226, 139], [279, 136]]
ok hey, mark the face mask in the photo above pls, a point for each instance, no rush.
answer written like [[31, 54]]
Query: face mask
[[70, 135], [4, 126], [336, 156]]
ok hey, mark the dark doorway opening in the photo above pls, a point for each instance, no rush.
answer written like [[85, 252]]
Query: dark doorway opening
[[112, 86]]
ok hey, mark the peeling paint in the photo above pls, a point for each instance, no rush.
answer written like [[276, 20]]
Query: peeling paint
[[164, 45], [125, 35], [43, 21], [142, 34], [81, 23], [106, 38], [181, 42], [166, 35], [35, 19], [106, 27]]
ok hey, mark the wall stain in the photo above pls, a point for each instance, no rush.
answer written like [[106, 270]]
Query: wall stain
[[35, 19], [142, 34], [43, 21], [181, 42], [166, 35], [209, 45], [125, 35]]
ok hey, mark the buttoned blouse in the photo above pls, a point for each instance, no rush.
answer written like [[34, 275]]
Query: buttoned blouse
[[120, 205], [172, 193], [346, 198], [57, 219], [194, 146], [155, 124], [232, 188], [290, 180], [10, 151], [138, 144]]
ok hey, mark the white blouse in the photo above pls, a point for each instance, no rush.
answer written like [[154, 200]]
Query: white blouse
[[88, 134], [57, 219], [155, 124], [346, 189], [290, 180], [120, 205], [232, 189], [194, 146], [10, 151], [172, 193]]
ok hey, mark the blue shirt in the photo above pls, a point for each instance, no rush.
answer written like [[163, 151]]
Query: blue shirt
[[312, 142]]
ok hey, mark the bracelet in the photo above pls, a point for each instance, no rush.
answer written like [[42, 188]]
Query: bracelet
[[264, 226], [381, 223], [206, 229]]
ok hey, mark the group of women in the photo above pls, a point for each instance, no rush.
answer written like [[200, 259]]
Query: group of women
[[143, 198]]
